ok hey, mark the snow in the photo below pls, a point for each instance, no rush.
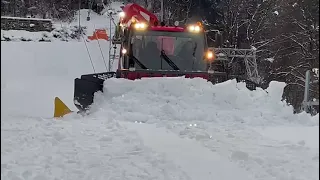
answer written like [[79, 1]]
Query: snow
[[96, 21], [235, 96], [316, 71], [228, 119], [17, 35], [186, 157], [159, 128], [36, 19], [114, 7], [48, 67], [67, 29], [270, 59], [306, 136], [78, 149], [221, 54], [253, 48]]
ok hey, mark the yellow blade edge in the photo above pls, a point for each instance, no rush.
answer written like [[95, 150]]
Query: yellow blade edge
[[60, 109]]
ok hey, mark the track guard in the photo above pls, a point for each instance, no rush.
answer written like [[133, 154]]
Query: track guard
[[86, 86]]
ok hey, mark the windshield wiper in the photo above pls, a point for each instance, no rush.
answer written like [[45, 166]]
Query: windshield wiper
[[138, 62], [194, 55], [169, 61]]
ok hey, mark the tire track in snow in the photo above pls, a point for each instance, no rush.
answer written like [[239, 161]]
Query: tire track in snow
[[265, 158], [78, 148], [194, 159]]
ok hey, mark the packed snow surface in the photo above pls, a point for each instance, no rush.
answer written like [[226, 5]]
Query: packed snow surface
[[159, 128]]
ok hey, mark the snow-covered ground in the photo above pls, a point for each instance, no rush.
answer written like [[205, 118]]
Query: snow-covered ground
[[46, 67], [160, 128], [191, 128], [67, 31]]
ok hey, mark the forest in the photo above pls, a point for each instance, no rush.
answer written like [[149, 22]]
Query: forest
[[285, 33]]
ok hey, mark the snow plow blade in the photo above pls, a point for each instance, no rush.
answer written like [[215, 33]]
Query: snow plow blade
[[86, 86], [60, 109]]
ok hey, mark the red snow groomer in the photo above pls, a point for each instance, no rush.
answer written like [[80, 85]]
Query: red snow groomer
[[151, 49]]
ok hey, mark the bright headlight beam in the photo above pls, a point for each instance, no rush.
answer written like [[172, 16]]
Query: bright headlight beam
[[122, 14], [140, 26], [197, 28], [193, 28]]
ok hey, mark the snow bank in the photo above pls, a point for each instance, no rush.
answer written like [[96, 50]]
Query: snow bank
[[226, 118], [196, 99], [58, 34]]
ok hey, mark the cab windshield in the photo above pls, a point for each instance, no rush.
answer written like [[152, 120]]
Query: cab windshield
[[161, 50]]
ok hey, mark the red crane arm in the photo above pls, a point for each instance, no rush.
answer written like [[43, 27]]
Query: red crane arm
[[139, 13]]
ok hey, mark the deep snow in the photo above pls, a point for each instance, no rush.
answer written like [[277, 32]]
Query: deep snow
[[226, 118], [201, 126], [160, 128]]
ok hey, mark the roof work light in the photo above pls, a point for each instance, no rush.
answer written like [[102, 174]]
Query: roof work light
[[196, 28], [140, 26]]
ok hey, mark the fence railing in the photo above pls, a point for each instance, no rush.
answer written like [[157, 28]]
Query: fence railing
[[27, 24]]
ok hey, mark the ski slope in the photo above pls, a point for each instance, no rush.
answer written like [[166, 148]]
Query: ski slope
[[160, 128]]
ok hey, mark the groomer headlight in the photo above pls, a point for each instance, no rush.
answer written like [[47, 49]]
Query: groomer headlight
[[122, 14], [123, 51], [210, 56], [194, 28], [140, 26]]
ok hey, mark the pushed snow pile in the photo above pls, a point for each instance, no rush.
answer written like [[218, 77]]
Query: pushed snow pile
[[227, 118], [196, 99]]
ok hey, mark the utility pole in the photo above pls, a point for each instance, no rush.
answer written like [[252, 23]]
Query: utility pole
[[162, 11], [307, 103], [79, 28]]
